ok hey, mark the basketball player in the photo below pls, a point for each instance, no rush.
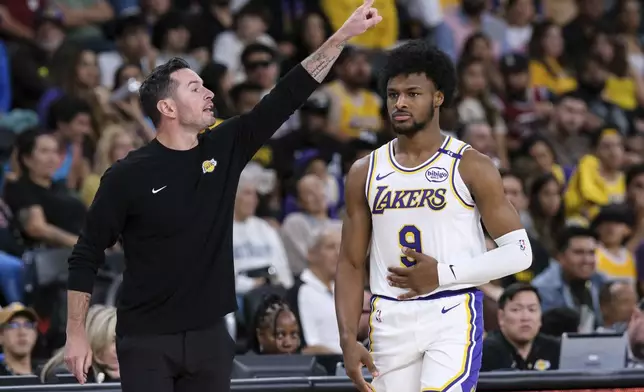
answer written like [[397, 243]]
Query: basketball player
[[415, 205]]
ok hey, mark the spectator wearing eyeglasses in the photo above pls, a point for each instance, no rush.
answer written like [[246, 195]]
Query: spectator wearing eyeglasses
[[18, 336]]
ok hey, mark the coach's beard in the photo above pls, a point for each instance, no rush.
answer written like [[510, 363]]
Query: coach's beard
[[415, 127]]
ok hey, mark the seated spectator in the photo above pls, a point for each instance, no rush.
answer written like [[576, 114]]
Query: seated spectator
[[315, 298], [70, 120], [83, 19], [564, 129], [479, 47], [547, 211], [572, 280], [480, 136], [300, 228], [101, 335], [115, 143], [353, 107], [475, 104], [245, 96], [617, 299], [18, 334], [275, 328], [613, 227], [171, 36], [598, 180], [518, 344], [257, 247], [12, 268], [541, 151], [546, 50], [47, 212]]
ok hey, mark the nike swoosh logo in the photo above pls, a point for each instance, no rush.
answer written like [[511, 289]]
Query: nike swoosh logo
[[379, 177], [448, 309], [155, 191], [451, 268]]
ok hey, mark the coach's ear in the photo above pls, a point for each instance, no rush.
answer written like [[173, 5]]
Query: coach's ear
[[439, 97]]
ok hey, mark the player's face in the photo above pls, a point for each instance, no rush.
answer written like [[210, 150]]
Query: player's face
[[192, 102], [410, 103], [520, 320], [578, 261]]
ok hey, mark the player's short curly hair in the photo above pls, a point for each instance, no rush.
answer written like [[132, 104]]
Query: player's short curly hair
[[419, 57]]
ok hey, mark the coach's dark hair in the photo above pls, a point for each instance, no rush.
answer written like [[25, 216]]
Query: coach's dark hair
[[568, 233], [418, 56], [266, 317], [26, 144], [515, 288], [159, 85]]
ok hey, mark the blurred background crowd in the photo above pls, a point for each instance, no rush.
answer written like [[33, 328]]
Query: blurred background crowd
[[551, 90]]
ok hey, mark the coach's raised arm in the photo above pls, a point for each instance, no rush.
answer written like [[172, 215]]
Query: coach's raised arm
[[256, 128]]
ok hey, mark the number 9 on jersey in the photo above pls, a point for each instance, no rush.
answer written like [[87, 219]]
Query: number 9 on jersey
[[409, 237]]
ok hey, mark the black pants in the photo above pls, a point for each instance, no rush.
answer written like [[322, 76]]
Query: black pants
[[199, 361]]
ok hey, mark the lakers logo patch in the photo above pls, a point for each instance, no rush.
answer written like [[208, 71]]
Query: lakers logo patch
[[208, 166]]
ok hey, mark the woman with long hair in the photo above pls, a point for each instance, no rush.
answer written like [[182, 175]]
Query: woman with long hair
[[101, 335], [546, 210], [115, 143], [546, 50]]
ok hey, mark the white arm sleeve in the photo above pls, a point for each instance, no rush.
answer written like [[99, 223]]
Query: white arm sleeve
[[513, 255]]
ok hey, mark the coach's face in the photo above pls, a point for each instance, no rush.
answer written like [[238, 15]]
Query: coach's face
[[520, 319], [411, 102], [191, 102]]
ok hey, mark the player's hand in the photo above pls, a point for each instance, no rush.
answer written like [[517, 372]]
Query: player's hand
[[362, 19], [78, 355], [356, 356], [419, 279]]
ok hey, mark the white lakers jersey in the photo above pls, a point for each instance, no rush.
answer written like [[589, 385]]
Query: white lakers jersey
[[427, 208]]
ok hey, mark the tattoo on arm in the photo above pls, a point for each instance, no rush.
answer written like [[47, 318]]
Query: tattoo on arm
[[319, 64], [77, 307]]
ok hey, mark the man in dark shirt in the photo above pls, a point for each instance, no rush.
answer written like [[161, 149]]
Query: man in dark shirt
[[171, 203], [518, 344]]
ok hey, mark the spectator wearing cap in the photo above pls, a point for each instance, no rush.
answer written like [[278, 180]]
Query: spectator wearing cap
[[613, 227], [132, 46], [518, 344], [18, 334], [525, 108], [571, 280], [311, 135], [546, 50], [171, 36], [30, 62], [617, 300], [250, 25], [598, 179], [354, 108]]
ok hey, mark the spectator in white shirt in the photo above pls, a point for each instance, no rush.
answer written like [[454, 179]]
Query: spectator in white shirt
[[315, 297], [256, 245], [250, 25]]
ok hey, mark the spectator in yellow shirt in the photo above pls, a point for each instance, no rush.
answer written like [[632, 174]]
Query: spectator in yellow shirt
[[613, 226], [598, 179], [382, 36], [545, 50]]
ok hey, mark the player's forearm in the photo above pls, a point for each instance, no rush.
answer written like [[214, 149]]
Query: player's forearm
[[77, 306], [348, 300], [513, 255], [319, 64]]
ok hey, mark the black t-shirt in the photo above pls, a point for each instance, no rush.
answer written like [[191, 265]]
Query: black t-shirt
[[60, 206], [499, 354], [174, 213]]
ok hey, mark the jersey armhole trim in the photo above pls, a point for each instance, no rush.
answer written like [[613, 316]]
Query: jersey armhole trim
[[372, 169], [453, 174]]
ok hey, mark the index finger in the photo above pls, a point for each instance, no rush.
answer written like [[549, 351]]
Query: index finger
[[367, 3], [400, 271]]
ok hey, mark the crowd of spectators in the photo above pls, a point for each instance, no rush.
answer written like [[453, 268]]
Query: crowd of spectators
[[551, 90]]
